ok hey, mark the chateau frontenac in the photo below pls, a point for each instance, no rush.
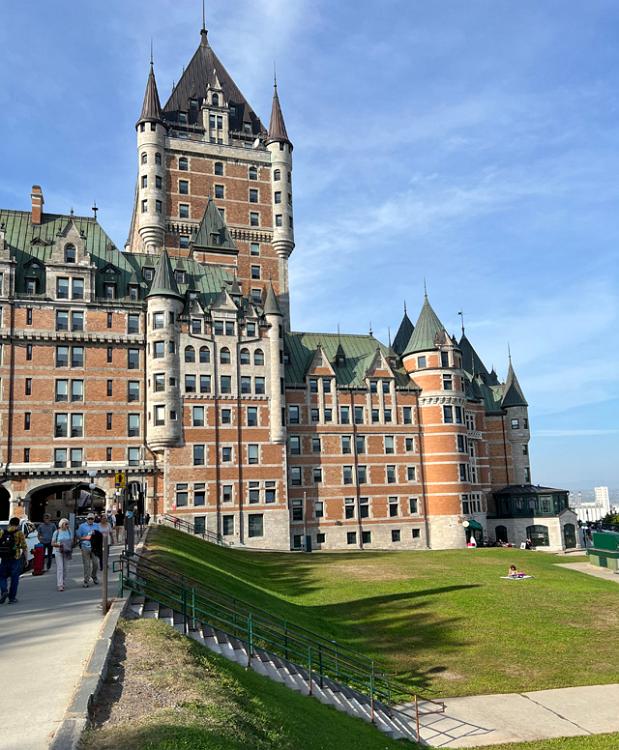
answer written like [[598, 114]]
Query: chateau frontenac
[[172, 363]]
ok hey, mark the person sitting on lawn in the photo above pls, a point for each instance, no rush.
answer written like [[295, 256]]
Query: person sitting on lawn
[[515, 573]]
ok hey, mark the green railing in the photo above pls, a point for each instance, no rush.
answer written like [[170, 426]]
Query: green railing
[[319, 659], [183, 525]]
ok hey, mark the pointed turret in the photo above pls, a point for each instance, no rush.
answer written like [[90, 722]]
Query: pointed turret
[[164, 284], [271, 305], [402, 337], [277, 126], [151, 109], [513, 395], [426, 331], [213, 232], [471, 361]]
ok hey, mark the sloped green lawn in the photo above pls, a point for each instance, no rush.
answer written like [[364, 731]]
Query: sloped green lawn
[[443, 621]]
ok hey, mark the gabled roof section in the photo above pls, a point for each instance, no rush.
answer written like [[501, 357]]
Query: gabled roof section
[[379, 364], [402, 337], [203, 70], [427, 330], [277, 126], [513, 392], [471, 361], [271, 305], [320, 364], [164, 284], [151, 108], [213, 232]]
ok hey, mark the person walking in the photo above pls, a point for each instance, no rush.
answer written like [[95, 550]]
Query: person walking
[[45, 533], [62, 542], [119, 525], [111, 519], [13, 555], [89, 561]]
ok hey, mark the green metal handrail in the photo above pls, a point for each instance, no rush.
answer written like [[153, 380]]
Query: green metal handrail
[[319, 658], [180, 523]]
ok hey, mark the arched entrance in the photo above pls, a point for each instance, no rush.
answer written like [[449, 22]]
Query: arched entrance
[[501, 534], [569, 535], [60, 500], [5, 504]]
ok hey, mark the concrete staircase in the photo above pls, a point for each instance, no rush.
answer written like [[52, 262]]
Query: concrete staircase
[[388, 720]]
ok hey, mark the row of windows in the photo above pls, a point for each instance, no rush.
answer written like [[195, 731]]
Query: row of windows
[[73, 356], [257, 492], [515, 424], [198, 416], [347, 442], [218, 167], [227, 454], [203, 384], [300, 509], [422, 361], [348, 474], [73, 320], [473, 503], [351, 537], [74, 457], [73, 390], [358, 413], [72, 424], [224, 356]]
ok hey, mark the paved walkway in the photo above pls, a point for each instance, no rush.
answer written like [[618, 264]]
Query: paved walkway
[[520, 717], [45, 641], [592, 570]]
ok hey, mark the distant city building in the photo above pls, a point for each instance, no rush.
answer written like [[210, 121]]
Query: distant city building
[[602, 498], [174, 361]]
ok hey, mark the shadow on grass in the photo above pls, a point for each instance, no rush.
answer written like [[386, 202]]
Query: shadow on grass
[[399, 629]]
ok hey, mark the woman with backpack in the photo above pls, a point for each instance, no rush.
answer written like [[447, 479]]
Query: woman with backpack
[[13, 555], [62, 541]]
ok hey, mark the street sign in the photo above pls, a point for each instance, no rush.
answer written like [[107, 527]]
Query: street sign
[[120, 479]]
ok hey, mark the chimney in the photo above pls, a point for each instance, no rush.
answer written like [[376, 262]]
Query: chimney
[[37, 204]]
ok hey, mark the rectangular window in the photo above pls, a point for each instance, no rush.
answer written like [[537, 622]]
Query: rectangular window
[[62, 320], [254, 219], [26, 455], [159, 415], [133, 359], [319, 509], [255, 272], [316, 445], [226, 416], [395, 535], [407, 415], [196, 326], [344, 414], [421, 362], [77, 425], [411, 473], [269, 492], [133, 323], [226, 493], [314, 415], [255, 525], [366, 537], [293, 414], [409, 444], [62, 356], [225, 384], [245, 384], [389, 444], [462, 471], [461, 443], [413, 506], [394, 507], [358, 414], [28, 352], [28, 309], [77, 287], [190, 383], [198, 455], [205, 383], [77, 356], [364, 507], [447, 382], [182, 495], [183, 187], [227, 525], [28, 386], [317, 475], [219, 191], [133, 456], [391, 478], [252, 416], [515, 424], [448, 414], [252, 453], [387, 415], [360, 444], [328, 415], [254, 493], [347, 474], [133, 425], [133, 390], [295, 476], [346, 444], [199, 493], [294, 445], [458, 412], [60, 458], [183, 210], [226, 454], [77, 390], [62, 288], [110, 354], [259, 386], [197, 416], [351, 537], [297, 510], [254, 249], [253, 195], [279, 220], [108, 454], [159, 382], [61, 425], [349, 507], [230, 328], [416, 533], [362, 474], [76, 457], [77, 320], [375, 416], [62, 390]]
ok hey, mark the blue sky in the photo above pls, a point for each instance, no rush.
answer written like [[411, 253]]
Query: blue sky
[[473, 143]]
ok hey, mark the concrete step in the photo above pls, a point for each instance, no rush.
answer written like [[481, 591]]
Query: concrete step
[[151, 610], [137, 604], [167, 615]]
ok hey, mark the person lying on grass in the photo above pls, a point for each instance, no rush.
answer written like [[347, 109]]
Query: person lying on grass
[[513, 572]]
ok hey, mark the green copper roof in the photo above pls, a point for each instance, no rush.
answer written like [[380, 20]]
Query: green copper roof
[[471, 361], [359, 352], [164, 283], [213, 232], [428, 327], [271, 305], [513, 392]]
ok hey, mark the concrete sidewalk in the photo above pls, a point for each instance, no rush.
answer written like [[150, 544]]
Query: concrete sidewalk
[[45, 641], [591, 570], [520, 717]]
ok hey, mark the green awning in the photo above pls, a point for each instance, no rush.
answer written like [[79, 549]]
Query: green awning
[[473, 524]]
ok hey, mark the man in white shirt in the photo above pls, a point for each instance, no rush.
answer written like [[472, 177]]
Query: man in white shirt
[[89, 561]]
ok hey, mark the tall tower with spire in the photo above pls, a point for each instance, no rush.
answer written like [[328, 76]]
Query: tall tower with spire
[[150, 207], [280, 148]]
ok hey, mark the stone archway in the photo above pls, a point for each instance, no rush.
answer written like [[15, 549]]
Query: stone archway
[[60, 499], [5, 504]]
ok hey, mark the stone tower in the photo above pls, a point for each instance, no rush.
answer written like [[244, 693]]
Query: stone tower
[[164, 305], [280, 148], [151, 132], [517, 427], [273, 315]]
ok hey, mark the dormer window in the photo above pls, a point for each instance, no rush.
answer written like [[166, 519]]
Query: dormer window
[[183, 241], [148, 274], [70, 254], [247, 128], [193, 104], [180, 276], [215, 100], [31, 286], [182, 118], [109, 290]]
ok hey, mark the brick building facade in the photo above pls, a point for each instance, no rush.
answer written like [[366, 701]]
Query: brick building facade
[[174, 360]]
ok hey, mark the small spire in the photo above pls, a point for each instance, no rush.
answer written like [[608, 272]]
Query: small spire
[[204, 15], [371, 331], [72, 212], [389, 335], [94, 209], [509, 353], [425, 288], [405, 307], [274, 74], [277, 127], [461, 314], [152, 59]]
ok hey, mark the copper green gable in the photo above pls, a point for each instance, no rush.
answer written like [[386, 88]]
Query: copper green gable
[[402, 337], [427, 328], [271, 305], [213, 232], [164, 284]]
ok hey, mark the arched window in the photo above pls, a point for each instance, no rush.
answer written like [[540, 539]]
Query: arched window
[[258, 357], [158, 158], [205, 355], [183, 163], [501, 534], [144, 157], [277, 175], [538, 535], [215, 100], [224, 356], [69, 254], [253, 173], [190, 354], [219, 168], [244, 357]]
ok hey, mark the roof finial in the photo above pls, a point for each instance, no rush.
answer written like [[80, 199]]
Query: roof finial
[[274, 74], [405, 307], [204, 17], [94, 209], [425, 288], [152, 60], [509, 353], [461, 314], [389, 335], [371, 331]]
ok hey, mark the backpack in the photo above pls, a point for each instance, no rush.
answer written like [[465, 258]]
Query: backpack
[[8, 547]]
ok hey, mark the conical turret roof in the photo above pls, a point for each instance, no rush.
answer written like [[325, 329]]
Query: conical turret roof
[[277, 126], [151, 109], [164, 284], [271, 305], [471, 361], [213, 231], [513, 395], [402, 337], [427, 329]]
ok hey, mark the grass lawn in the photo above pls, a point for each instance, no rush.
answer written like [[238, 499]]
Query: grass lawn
[[596, 742], [443, 621], [165, 692]]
